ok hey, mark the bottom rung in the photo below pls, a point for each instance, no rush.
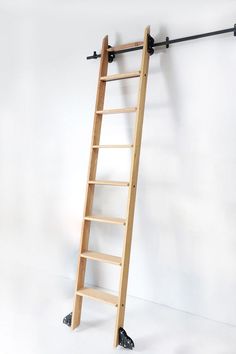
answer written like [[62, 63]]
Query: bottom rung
[[98, 295]]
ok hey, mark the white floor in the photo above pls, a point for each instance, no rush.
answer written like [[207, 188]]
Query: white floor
[[32, 309]]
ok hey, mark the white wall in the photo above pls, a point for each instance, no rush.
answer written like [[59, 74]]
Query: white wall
[[184, 244]]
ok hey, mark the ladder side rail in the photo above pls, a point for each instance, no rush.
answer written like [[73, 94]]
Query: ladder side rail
[[132, 189], [85, 229]]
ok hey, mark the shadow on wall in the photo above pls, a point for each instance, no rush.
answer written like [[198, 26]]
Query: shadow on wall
[[162, 190]]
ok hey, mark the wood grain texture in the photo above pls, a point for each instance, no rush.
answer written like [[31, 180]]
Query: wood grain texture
[[97, 123], [118, 110], [80, 290], [98, 295], [110, 183], [102, 257], [106, 219], [125, 46], [114, 146], [132, 189], [123, 76]]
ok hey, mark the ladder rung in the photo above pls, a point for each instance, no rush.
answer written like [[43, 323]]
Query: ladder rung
[[102, 257], [121, 76], [118, 110], [111, 146], [110, 183], [125, 46], [98, 295], [105, 219]]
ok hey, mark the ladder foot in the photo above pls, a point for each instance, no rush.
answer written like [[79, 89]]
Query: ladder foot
[[67, 319], [124, 340]]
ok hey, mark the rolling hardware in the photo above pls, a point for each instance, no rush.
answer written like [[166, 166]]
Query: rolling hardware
[[124, 340], [150, 44], [67, 319], [167, 42]]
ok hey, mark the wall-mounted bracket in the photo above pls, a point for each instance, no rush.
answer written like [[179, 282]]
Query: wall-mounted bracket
[[95, 56], [167, 42]]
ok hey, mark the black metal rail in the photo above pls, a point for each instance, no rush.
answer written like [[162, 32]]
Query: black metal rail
[[168, 41]]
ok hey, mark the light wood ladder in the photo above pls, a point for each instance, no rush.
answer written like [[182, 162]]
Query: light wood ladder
[[119, 300]]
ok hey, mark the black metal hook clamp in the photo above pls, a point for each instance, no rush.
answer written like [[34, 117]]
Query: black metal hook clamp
[[150, 44], [235, 30], [111, 55]]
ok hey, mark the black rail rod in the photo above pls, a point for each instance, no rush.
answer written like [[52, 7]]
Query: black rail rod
[[166, 43]]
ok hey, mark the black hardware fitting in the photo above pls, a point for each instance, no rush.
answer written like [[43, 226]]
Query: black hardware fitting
[[111, 55], [167, 42], [150, 44], [95, 56], [124, 340], [67, 319], [164, 43]]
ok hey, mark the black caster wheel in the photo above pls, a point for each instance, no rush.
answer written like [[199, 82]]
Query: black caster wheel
[[124, 340], [67, 319]]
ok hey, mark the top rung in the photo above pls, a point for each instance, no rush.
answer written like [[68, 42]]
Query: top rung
[[125, 46]]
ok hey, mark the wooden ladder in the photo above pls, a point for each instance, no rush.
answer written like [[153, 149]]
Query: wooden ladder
[[81, 291]]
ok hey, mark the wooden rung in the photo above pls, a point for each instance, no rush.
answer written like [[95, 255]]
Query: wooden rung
[[110, 183], [117, 110], [125, 46], [98, 295], [105, 219], [111, 146], [102, 257], [115, 77]]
